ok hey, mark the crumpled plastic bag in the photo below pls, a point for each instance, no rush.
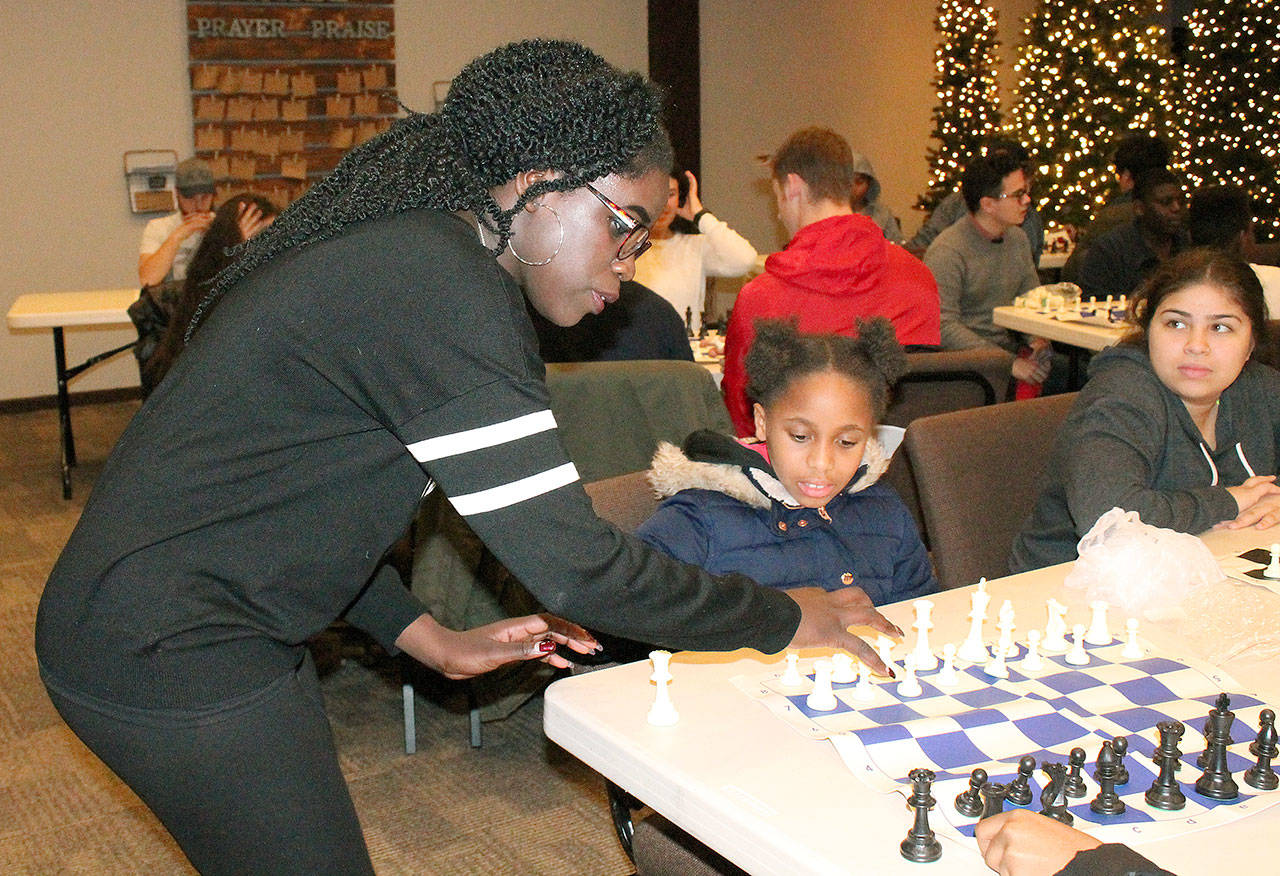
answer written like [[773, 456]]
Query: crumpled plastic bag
[[1141, 568]]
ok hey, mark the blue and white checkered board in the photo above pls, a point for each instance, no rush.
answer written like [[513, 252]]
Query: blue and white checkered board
[[993, 723]]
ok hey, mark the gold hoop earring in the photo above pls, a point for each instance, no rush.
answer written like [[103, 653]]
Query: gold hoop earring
[[559, 243]]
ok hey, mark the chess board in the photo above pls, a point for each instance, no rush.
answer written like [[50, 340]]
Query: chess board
[[1248, 567], [992, 723]]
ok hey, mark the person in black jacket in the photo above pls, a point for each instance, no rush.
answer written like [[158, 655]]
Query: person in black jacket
[[371, 344]]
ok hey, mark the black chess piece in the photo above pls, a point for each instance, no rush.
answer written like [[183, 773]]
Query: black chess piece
[[1107, 802], [970, 802], [1019, 790], [1165, 792], [1053, 798], [1261, 775], [1075, 786], [1119, 745], [992, 799], [1203, 760], [921, 846], [1216, 781]]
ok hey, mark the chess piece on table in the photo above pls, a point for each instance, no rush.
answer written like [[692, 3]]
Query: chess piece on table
[[910, 685], [996, 667], [1120, 747], [1273, 568], [946, 677], [863, 691], [1077, 656], [1132, 650], [1165, 792], [884, 649], [1055, 628], [973, 649], [663, 712], [1031, 661], [842, 668], [926, 660], [970, 802], [1006, 625], [1053, 797], [1098, 633], [1075, 786], [1261, 775], [1216, 781], [792, 677], [1019, 790], [992, 799], [921, 846], [1107, 802], [822, 698]]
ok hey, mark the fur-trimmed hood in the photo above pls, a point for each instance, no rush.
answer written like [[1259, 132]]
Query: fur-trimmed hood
[[711, 461]]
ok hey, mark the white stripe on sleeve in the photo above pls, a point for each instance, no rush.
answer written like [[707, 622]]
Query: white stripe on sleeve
[[517, 491], [484, 436]]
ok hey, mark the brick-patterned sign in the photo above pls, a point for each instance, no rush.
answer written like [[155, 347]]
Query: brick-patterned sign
[[281, 90]]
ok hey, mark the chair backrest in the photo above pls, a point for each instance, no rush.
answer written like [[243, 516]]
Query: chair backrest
[[978, 473], [612, 415], [949, 380]]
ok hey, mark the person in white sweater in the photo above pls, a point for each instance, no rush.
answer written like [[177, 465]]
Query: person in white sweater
[[690, 245]]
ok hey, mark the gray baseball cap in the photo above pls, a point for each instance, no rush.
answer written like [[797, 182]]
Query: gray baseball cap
[[194, 177]]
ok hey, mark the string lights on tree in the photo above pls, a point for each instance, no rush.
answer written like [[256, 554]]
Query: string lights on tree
[[1232, 103], [1088, 72], [968, 108]]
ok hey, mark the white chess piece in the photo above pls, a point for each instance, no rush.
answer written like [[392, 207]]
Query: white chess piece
[[1032, 662], [842, 668], [973, 649], [1273, 570], [925, 658], [663, 712], [1132, 650], [1078, 656], [946, 677], [996, 667], [910, 685], [1055, 628], [1006, 626], [792, 676], [863, 690], [1098, 633], [822, 698], [884, 648]]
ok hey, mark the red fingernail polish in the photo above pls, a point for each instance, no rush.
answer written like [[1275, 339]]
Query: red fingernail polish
[[546, 646]]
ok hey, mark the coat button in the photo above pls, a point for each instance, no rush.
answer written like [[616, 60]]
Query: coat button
[[782, 526], [804, 523], [846, 579]]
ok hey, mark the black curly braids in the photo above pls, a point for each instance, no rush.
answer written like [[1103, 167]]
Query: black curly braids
[[780, 354], [531, 105]]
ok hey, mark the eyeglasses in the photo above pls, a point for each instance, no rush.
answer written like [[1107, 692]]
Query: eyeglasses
[[635, 236], [1016, 194]]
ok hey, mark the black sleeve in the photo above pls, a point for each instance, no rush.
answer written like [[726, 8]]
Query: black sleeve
[[1111, 859]]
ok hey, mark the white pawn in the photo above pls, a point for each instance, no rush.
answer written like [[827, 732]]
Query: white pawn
[[822, 698], [842, 668], [1078, 656], [946, 676], [997, 667], [1273, 570], [925, 658], [792, 677], [910, 685], [884, 648], [1098, 633], [973, 649], [663, 712], [1032, 662], [1132, 650], [863, 691], [1055, 628]]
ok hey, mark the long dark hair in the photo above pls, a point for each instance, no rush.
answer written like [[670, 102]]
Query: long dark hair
[[1208, 265], [532, 105]]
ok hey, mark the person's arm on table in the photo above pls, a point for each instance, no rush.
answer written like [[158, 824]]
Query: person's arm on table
[[1024, 843]]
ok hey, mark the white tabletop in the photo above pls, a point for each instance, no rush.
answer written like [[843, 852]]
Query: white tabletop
[[1078, 334], [53, 309], [747, 784]]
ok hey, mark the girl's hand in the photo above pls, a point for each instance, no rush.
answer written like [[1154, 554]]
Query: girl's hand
[[1251, 492], [692, 205], [1024, 843], [466, 653]]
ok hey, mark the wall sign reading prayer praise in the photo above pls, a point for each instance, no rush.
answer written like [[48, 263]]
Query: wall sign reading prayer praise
[[280, 91]]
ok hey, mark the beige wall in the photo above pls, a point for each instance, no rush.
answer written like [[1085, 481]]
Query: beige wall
[[85, 82]]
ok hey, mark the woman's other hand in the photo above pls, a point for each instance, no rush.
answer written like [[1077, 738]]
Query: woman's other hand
[[466, 653]]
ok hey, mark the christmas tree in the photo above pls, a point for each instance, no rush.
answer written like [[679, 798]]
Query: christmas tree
[[968, 110], [1233, 103], [1089, 71]]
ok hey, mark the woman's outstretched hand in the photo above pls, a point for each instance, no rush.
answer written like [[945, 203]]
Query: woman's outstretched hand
[[467, 653], [825, 619]]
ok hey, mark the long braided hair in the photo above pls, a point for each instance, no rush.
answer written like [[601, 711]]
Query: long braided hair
[[531, 105]]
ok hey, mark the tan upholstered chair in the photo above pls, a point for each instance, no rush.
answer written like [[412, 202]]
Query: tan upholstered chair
[[978, 473], [950, 380]]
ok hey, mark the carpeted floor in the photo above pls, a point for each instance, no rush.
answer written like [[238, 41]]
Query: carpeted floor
[[518, 805]]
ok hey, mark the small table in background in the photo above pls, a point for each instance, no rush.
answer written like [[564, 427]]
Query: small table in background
[[1075, 334], [56, 311]]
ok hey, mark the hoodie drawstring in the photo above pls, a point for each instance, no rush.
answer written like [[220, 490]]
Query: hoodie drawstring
[[1209, 459], [1243, 461]]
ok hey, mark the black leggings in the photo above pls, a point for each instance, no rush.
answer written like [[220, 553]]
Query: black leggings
[[249, 785]]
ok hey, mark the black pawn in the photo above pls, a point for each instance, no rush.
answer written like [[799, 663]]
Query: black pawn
[[1261, 775], [1120, 745], [969, 802], [1107, 802], [1216, 782], [1053, 799], [1019, 790], [1075, 786], [921, 846], [1165, 793], [992, 799]]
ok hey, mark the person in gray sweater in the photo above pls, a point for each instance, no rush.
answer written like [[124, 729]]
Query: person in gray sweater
[[1175, 423]]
